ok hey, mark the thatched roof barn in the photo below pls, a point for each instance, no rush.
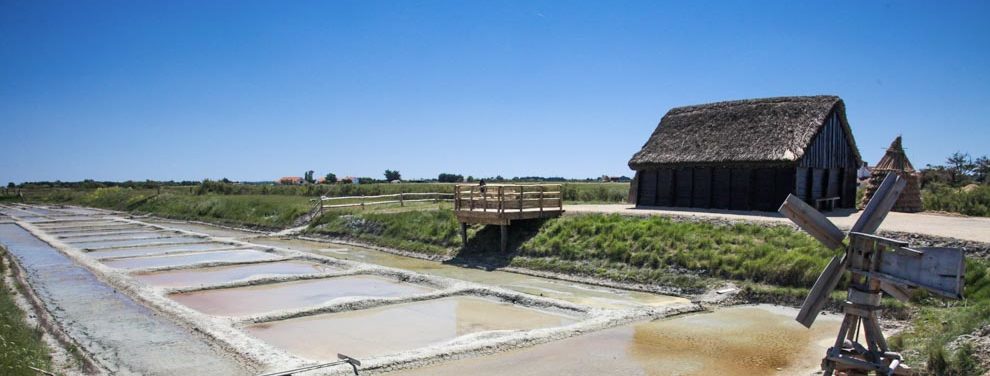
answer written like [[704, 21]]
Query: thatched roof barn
[[896, 161], [748, 155]]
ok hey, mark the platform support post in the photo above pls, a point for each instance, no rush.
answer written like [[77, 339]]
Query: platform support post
[[504, 238], [464, 227]]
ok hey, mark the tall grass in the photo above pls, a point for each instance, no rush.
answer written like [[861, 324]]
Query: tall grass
[[21, 346], [974, 201]]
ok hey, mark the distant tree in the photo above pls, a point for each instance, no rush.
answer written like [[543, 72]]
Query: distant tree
[[225, 181], [450, 178], [365, 180], [392, 175], [470, 179], [330, 178], [11, 185], [346, 181], [960, 166], [981, 169], [308, 177]]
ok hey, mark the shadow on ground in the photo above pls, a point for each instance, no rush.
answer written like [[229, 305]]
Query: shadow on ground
[[481, 250]]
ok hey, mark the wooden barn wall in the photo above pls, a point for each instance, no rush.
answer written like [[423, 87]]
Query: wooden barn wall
[[721, 188], [849, 185], [824, 169], [740, 179], [683, 184], [830, 147], [736, 188], [701, 192], [665, 187], [801, 188], [647, 187]]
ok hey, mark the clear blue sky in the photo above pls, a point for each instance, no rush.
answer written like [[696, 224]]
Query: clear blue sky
[[257, 90]]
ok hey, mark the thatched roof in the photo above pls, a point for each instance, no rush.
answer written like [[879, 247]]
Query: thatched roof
[[768, 130], [895, 159]]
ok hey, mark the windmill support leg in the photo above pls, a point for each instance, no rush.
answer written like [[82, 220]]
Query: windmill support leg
[[848, 355]]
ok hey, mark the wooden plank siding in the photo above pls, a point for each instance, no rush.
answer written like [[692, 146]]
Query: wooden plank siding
[[740, 179], [735, 188], [722, 188], [665, 187], [824, 169], [683, 179], [701, 192], [647, 188]]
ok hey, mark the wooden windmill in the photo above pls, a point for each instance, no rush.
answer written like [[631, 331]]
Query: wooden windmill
[[876, 264]]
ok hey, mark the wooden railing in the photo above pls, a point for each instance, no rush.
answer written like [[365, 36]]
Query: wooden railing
[[502, 198], [397, 198]]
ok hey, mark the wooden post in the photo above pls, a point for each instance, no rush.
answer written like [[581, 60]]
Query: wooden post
[[522, 193], [464, 227], [401, 203], [541, 201], [504, 229]]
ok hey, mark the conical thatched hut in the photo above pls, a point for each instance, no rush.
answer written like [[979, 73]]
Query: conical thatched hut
[[896, 161], [749, 155]]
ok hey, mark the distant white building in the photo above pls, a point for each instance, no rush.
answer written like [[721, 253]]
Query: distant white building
[[864, 171]]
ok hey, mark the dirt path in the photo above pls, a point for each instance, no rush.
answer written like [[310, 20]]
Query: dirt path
[[975, 229]]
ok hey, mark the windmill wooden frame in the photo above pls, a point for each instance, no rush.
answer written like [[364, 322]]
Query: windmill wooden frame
[[875, 264]]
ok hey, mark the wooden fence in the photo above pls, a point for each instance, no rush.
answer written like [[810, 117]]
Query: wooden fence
[[397, 198], [504, 198]]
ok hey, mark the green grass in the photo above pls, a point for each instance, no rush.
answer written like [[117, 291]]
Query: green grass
[[642, 250], [269, 211], [20, 345], [777, 255], [429, 232], [936, 323]]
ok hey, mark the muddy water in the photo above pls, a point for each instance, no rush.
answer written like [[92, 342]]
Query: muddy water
[[220, 274], [191, 258], [157, 250], [120, 333], [390, 329], [289, 295], [590, 295], [747, 340]]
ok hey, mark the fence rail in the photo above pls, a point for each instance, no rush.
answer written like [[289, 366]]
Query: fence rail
[[397, 198]]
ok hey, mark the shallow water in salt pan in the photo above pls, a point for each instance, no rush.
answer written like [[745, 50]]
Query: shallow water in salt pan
[[289, 295], [745, 340], [117, 237], [137, 242], [220, 274], [580, 293], [158, 250], [76, 237], [191, 258], [390, 329]]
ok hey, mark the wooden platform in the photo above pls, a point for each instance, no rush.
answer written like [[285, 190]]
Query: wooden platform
[[500, 204]]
